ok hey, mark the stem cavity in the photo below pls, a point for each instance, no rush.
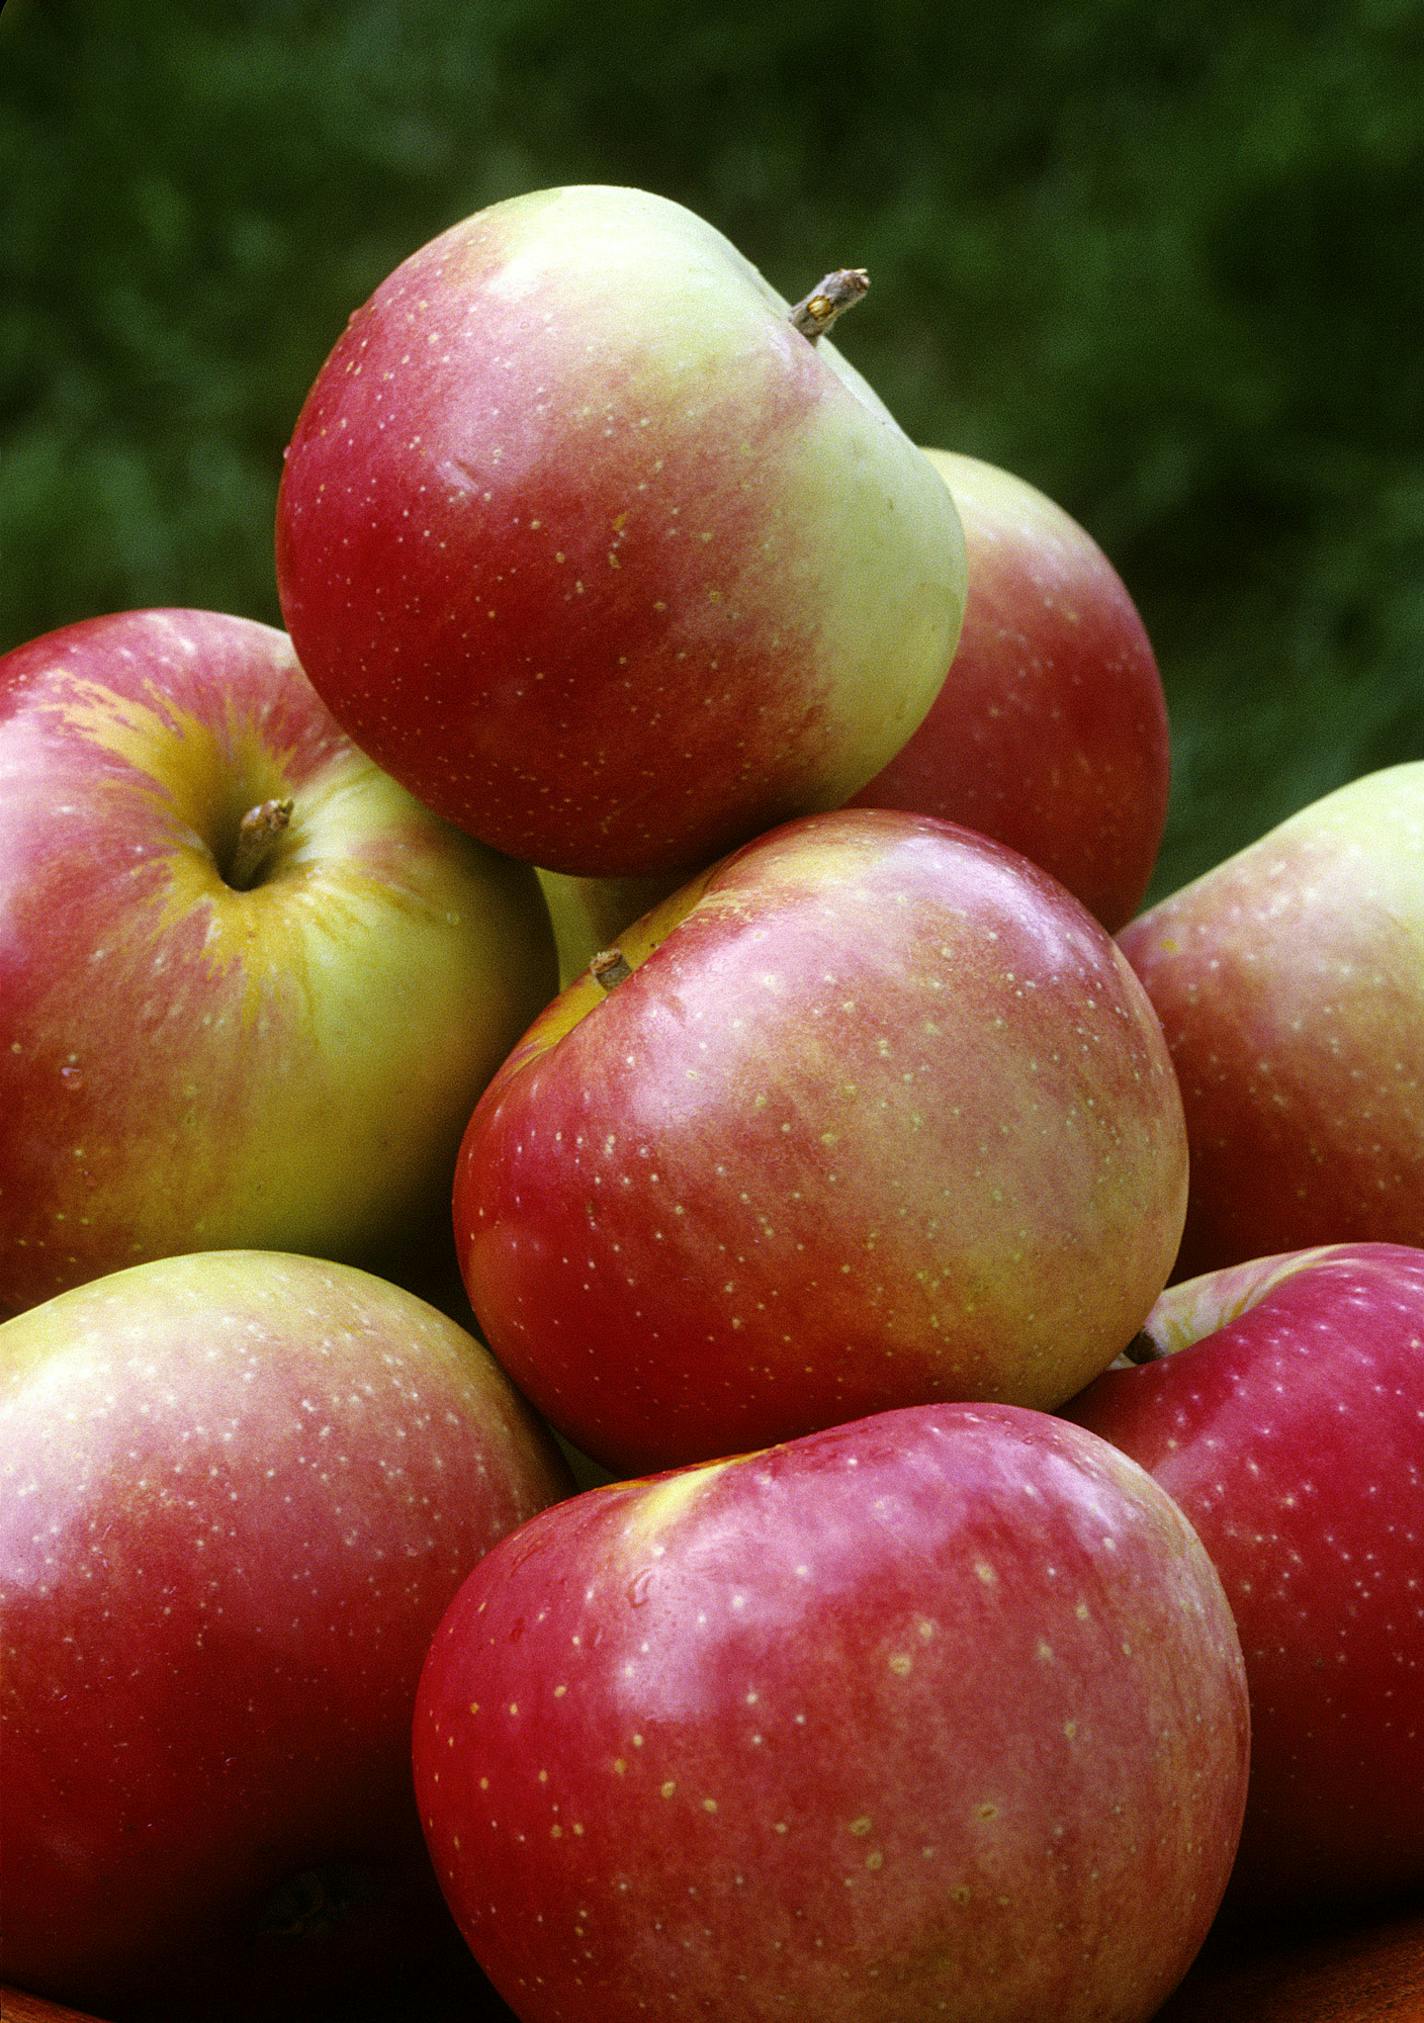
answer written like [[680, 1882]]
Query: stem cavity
[[257, 832]]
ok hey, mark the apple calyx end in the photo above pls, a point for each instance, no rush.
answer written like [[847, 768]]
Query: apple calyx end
[[609, 968], [814, 314], [257, 832]]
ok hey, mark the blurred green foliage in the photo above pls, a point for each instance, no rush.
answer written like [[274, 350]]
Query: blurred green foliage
[[1166, 262]]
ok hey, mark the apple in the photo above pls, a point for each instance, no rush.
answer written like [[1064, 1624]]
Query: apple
[[941, 1713], [1290, 984], [876, 1114], [214, 1036], [1284, 1411], [585, 538], [237, 1492], [1050, 733]]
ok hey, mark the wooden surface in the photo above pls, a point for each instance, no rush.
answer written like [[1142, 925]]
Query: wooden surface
[[18, 2008], [1367, 1974], [1372, 1973]]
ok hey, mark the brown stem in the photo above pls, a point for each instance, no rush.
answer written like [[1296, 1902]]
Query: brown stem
[[815, 313], [609, 968], [256, 833], [1143, 1349]]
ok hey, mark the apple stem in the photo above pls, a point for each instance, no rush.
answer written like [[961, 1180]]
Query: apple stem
[[256, 833], [815, 313], [1143, 1349], [609, 968]]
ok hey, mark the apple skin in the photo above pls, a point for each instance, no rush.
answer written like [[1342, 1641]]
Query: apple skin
[[1290, 984], [1050, 733], [879, 1116], [237, 1492], [184, 1066], [940, 1713], [1286, 1417], [582, 540]]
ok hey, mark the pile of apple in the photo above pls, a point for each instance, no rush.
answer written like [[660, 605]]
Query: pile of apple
[[860, 1157]]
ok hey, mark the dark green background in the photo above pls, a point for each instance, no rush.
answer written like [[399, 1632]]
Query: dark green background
[[1165, 261]]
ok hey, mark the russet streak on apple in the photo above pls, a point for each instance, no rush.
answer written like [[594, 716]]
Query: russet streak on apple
[[584, 542], [880, 1115], [889, 1723]]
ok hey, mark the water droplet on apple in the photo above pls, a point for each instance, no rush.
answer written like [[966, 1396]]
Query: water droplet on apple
[[72, 1078]]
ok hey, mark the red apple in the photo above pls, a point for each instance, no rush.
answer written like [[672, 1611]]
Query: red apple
[[198, 1053], [1290, 984], [1051, 732], [1286, 1417], [584, 540], [239, 1490], [878, 1115], [939, 1714]]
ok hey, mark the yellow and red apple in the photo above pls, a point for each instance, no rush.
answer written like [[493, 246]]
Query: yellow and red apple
[[582, 538], [1282, 1406], [940, 1713], [877, 1114], [1290, 984], [237, 1491], [249, 988]]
